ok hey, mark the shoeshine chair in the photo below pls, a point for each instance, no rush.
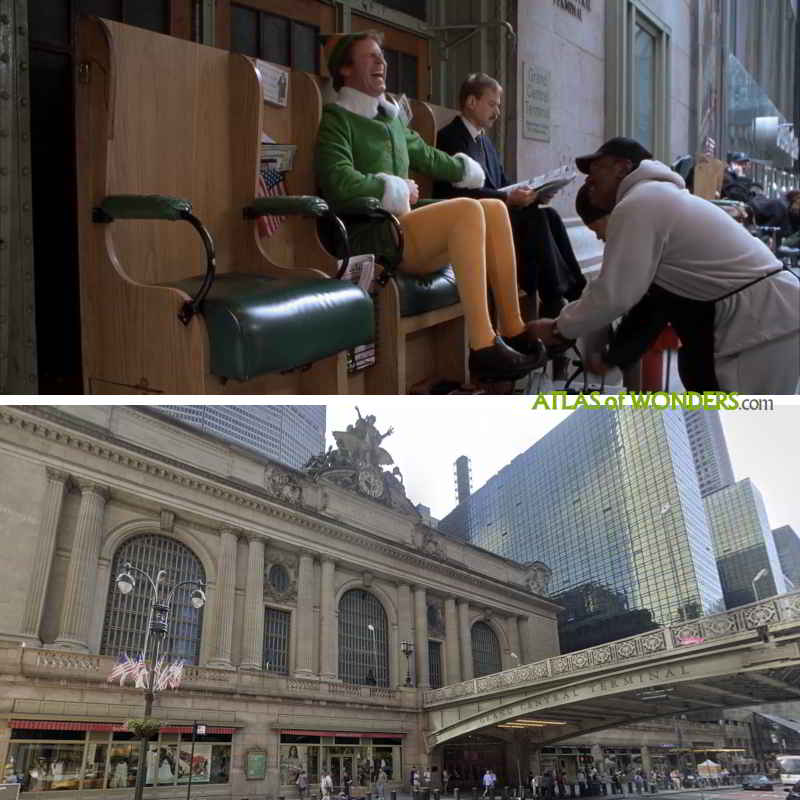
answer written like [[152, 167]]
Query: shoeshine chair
[[177, 293]]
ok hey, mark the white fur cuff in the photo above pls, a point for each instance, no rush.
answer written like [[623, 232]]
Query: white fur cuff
[[474, 177], [395, 194]]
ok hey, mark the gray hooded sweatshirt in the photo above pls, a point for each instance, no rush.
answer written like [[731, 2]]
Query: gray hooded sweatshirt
[[660, 233]]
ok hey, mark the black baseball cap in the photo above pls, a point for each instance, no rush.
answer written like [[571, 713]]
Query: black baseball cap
[[620, 147], [738, 158]]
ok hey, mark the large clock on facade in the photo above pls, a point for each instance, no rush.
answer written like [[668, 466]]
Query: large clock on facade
[[370, 482]]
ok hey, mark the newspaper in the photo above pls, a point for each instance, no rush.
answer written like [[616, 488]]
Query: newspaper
[[361, 271], [548, 183]]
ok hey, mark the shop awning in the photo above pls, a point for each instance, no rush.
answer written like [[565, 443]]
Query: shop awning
[[363, 734], [116, 727]]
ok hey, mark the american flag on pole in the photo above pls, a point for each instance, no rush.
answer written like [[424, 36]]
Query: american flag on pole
[[270, 184], [124, 666]]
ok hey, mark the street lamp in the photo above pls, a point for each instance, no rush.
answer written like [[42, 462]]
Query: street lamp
[[158, 625], [407, 649], [371, 629], [759, 575]]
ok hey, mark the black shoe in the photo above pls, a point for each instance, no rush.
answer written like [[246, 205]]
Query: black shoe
[[529, 344], [499, 362]]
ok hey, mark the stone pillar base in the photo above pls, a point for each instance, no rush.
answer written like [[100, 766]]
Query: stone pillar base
[[217, 664]]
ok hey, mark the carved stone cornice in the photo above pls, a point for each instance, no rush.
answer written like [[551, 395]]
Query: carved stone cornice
[[51, 425]]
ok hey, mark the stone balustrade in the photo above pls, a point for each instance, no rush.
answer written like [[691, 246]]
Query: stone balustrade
[[58, 664]]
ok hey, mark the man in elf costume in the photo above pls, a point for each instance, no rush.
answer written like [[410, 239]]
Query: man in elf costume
[[364, 149]]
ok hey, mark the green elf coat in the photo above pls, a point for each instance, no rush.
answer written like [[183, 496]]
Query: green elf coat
[[364, 149]]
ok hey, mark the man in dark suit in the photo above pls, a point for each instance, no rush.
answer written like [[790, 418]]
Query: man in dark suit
[[545, 261]]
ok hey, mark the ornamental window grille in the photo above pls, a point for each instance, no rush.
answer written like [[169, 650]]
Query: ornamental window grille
[[485, 650], [276, 640], [279, 577], [127, 615], [363, 653], [435, 664]]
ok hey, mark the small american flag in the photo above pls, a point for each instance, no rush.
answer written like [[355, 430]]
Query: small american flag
[[270, 184]]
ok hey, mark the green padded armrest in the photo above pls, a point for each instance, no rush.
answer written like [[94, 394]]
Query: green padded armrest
[[307, 205], [358, 206], [145, 206]]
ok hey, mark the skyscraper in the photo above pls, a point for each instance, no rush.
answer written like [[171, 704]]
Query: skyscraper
[[289, 434], [709, 450], [743, 544], [787, 543], [462, 472], [610, 502]]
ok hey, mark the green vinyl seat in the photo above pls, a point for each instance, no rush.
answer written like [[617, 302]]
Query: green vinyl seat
[[421, 293], [259, 324]]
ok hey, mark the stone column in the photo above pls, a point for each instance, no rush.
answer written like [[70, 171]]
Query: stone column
[[465, 640], [452, 657], [513, 642], [526, 642], [253, 628], [304, 665], [421, 637], [52, 502], [226, 596], [82, 572], [328, 623]]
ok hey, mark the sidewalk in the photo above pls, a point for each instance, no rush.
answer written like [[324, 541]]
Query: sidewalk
[[467, 794]]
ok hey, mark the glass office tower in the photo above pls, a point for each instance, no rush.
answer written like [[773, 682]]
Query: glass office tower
[[609, 500], [787, 543], [707, 441], [744, 544], [288, 434]]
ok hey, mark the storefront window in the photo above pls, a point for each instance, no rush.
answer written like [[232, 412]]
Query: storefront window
[[45, 767], [111, 760], [122, 764], [94, 769], [357, 763]]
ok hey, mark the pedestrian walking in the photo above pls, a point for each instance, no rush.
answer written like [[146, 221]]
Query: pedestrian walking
[[302, 784], [487, 783], [380, 784], [326, 785]]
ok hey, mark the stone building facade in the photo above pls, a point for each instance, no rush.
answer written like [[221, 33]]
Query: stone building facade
[[316, 583]]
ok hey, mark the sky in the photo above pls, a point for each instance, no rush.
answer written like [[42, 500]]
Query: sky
[[429, 436]]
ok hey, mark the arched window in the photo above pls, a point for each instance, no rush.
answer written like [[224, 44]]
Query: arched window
[[363, 653], [127, 615], [485, 650]]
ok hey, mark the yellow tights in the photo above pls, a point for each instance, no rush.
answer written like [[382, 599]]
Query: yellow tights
[[475, 237]]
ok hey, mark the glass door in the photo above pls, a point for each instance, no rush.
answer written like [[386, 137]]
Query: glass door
[[342, 772]]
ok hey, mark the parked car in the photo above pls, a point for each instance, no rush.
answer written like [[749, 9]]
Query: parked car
[[757, 782]]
